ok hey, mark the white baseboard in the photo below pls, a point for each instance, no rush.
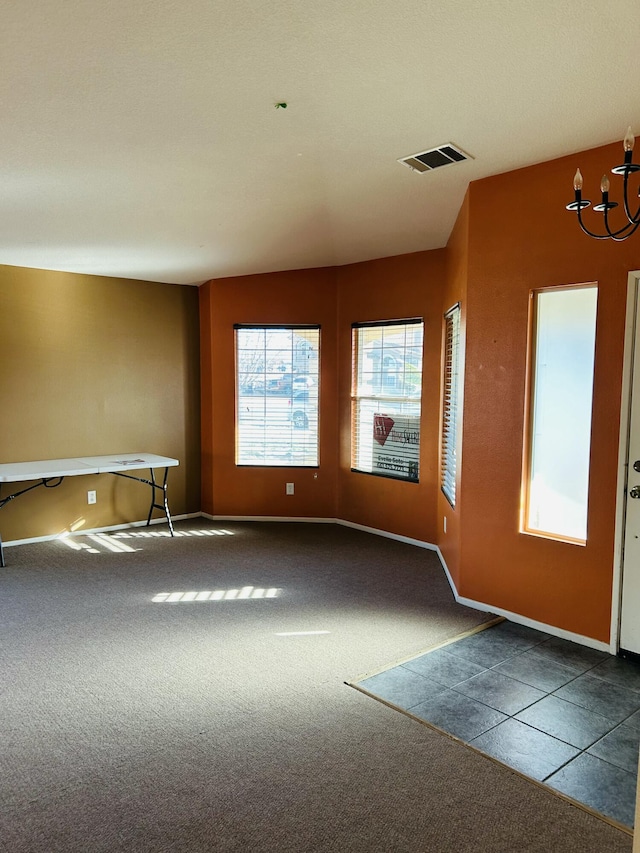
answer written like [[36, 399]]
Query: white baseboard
[[524, 620], [269, 518], [419, 543], [539, 626], [52, 536], [466, 602]]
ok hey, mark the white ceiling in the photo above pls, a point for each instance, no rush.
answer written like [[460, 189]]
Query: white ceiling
[[140, 138]]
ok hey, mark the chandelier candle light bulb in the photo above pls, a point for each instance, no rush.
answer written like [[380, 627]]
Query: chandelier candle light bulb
[[579, 204], [629, 140]]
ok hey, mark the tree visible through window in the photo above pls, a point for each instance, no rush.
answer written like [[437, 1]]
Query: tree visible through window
[[277, 387], [386, 395]]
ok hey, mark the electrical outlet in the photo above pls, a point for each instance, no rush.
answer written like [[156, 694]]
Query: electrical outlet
[[289, 489], [91, 497]]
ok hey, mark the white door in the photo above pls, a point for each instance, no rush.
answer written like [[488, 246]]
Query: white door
[[630, 607]]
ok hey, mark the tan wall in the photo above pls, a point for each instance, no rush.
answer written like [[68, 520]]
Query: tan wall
[[91, 366]]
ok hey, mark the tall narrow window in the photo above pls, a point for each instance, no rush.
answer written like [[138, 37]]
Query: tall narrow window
[[450, 404], [386, 394], [562, 360], [277, 379]]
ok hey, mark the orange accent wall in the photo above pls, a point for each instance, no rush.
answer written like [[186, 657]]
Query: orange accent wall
[[206, 396], [302, 296], [521, 238], [512, 235], [457, 271], [389, 289]]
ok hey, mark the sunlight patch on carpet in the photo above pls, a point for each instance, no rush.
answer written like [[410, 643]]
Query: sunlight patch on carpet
[[247, 592]]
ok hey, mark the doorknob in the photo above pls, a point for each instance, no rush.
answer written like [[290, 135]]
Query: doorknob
[[635, 492], [636, 465]]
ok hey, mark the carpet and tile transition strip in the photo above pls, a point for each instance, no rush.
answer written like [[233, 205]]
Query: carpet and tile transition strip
[[188, 694]]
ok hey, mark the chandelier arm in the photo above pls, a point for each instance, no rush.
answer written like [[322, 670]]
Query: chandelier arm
[[630, 229], [591, 233], [622, 233], [605, 219], [615, 235], [633, 219], [619, 235], [625, 199]]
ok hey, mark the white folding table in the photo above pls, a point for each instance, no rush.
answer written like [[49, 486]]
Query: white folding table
[[51, 472]]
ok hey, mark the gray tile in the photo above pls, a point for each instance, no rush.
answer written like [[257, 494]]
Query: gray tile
[[626, 673], [525, 749], [402, 687], [494, 636], [457, 714], [485, 648], [633, 720], [572, 655], [604, 698], [619, 747], [536, 671], [605, 788], [444, 667], [525, 637], [500, 692], [571, 723]]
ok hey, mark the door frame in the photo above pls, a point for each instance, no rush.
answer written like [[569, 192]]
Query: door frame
[[631, 356]]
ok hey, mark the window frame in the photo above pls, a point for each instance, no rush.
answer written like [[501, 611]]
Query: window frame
[[392, 401], [530, 412], [264, 396]]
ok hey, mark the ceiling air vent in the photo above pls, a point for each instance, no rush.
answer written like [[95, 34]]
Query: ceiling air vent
[[426, 161]]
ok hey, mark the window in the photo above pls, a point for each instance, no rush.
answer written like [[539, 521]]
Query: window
[[277, 377], [385, 400], [562, 359], [450, 404]]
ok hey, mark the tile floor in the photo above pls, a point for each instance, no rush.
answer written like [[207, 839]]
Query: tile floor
[[561, 713]]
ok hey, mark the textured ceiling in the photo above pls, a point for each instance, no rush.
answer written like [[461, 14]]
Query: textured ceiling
[[140, 138]]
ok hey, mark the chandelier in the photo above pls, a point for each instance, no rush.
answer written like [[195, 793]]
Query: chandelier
[[579, 203]]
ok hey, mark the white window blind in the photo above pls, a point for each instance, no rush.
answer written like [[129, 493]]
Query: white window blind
[[277, 390], [386, 395], [450, 404]]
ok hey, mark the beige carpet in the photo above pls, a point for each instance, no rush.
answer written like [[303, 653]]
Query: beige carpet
[[224, 724]]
